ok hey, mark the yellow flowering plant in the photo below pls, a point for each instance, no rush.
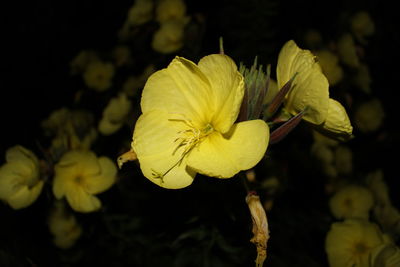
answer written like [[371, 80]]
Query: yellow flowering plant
[[269, 136], [190, 127]]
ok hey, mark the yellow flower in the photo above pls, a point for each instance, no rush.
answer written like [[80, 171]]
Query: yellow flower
[[63, 226], [369, 116], [362, 25], [310, 90], [79, 63], [350, 243], [140, 12], [98, 75], [351, 202], [20, 183], [170, 10], [169, 37], [114, 114], [347, 51], [188, 123], [79, 175]]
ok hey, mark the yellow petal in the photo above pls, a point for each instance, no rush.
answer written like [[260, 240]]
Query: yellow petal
[[100, 183], [227, 86], [25, 196], [155, 142], [181, 89], [337, 121], [78, 161], [81, 201], [223, 156], [310, 87]]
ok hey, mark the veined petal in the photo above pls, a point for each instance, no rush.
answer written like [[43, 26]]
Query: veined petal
[[181, 89], [156, 144], [227, 86], [223, 156], [81, 201], [100, 183], [310, 86]]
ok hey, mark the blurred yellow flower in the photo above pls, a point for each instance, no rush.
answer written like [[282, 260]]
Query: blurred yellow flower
[[63, 226], [79, 175], [369, 116], [169, 37], [140, 12], [330, 66], [80, 62], [114, 114], [71, 129], [170, 10], [351, 202], [310, 90], [347, 51], [350, 243], [98, 75], [20, 183], [362, 25], [188, 123]]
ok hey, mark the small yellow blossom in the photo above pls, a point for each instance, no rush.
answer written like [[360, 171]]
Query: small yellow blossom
[[310, 90], [330, 66], [98, 75], [79, 175], [369, 116], [351, 202], [188, 123], [140, 13], [80, 62], [362, 25], [71, 129], [20, 183], [347, 51], [167, 10], [350, 243], [169, 37], [63, 226], [385, 213], [114, 115]]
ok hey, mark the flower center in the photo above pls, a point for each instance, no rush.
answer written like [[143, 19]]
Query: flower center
[[187, 140], [360, 248]]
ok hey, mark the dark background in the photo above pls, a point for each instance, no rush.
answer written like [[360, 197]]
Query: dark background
[[42, 37]]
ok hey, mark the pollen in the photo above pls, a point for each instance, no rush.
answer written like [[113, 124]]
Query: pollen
[[187, 140]]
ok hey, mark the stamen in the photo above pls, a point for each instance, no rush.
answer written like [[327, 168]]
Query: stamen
[[189, 139]]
